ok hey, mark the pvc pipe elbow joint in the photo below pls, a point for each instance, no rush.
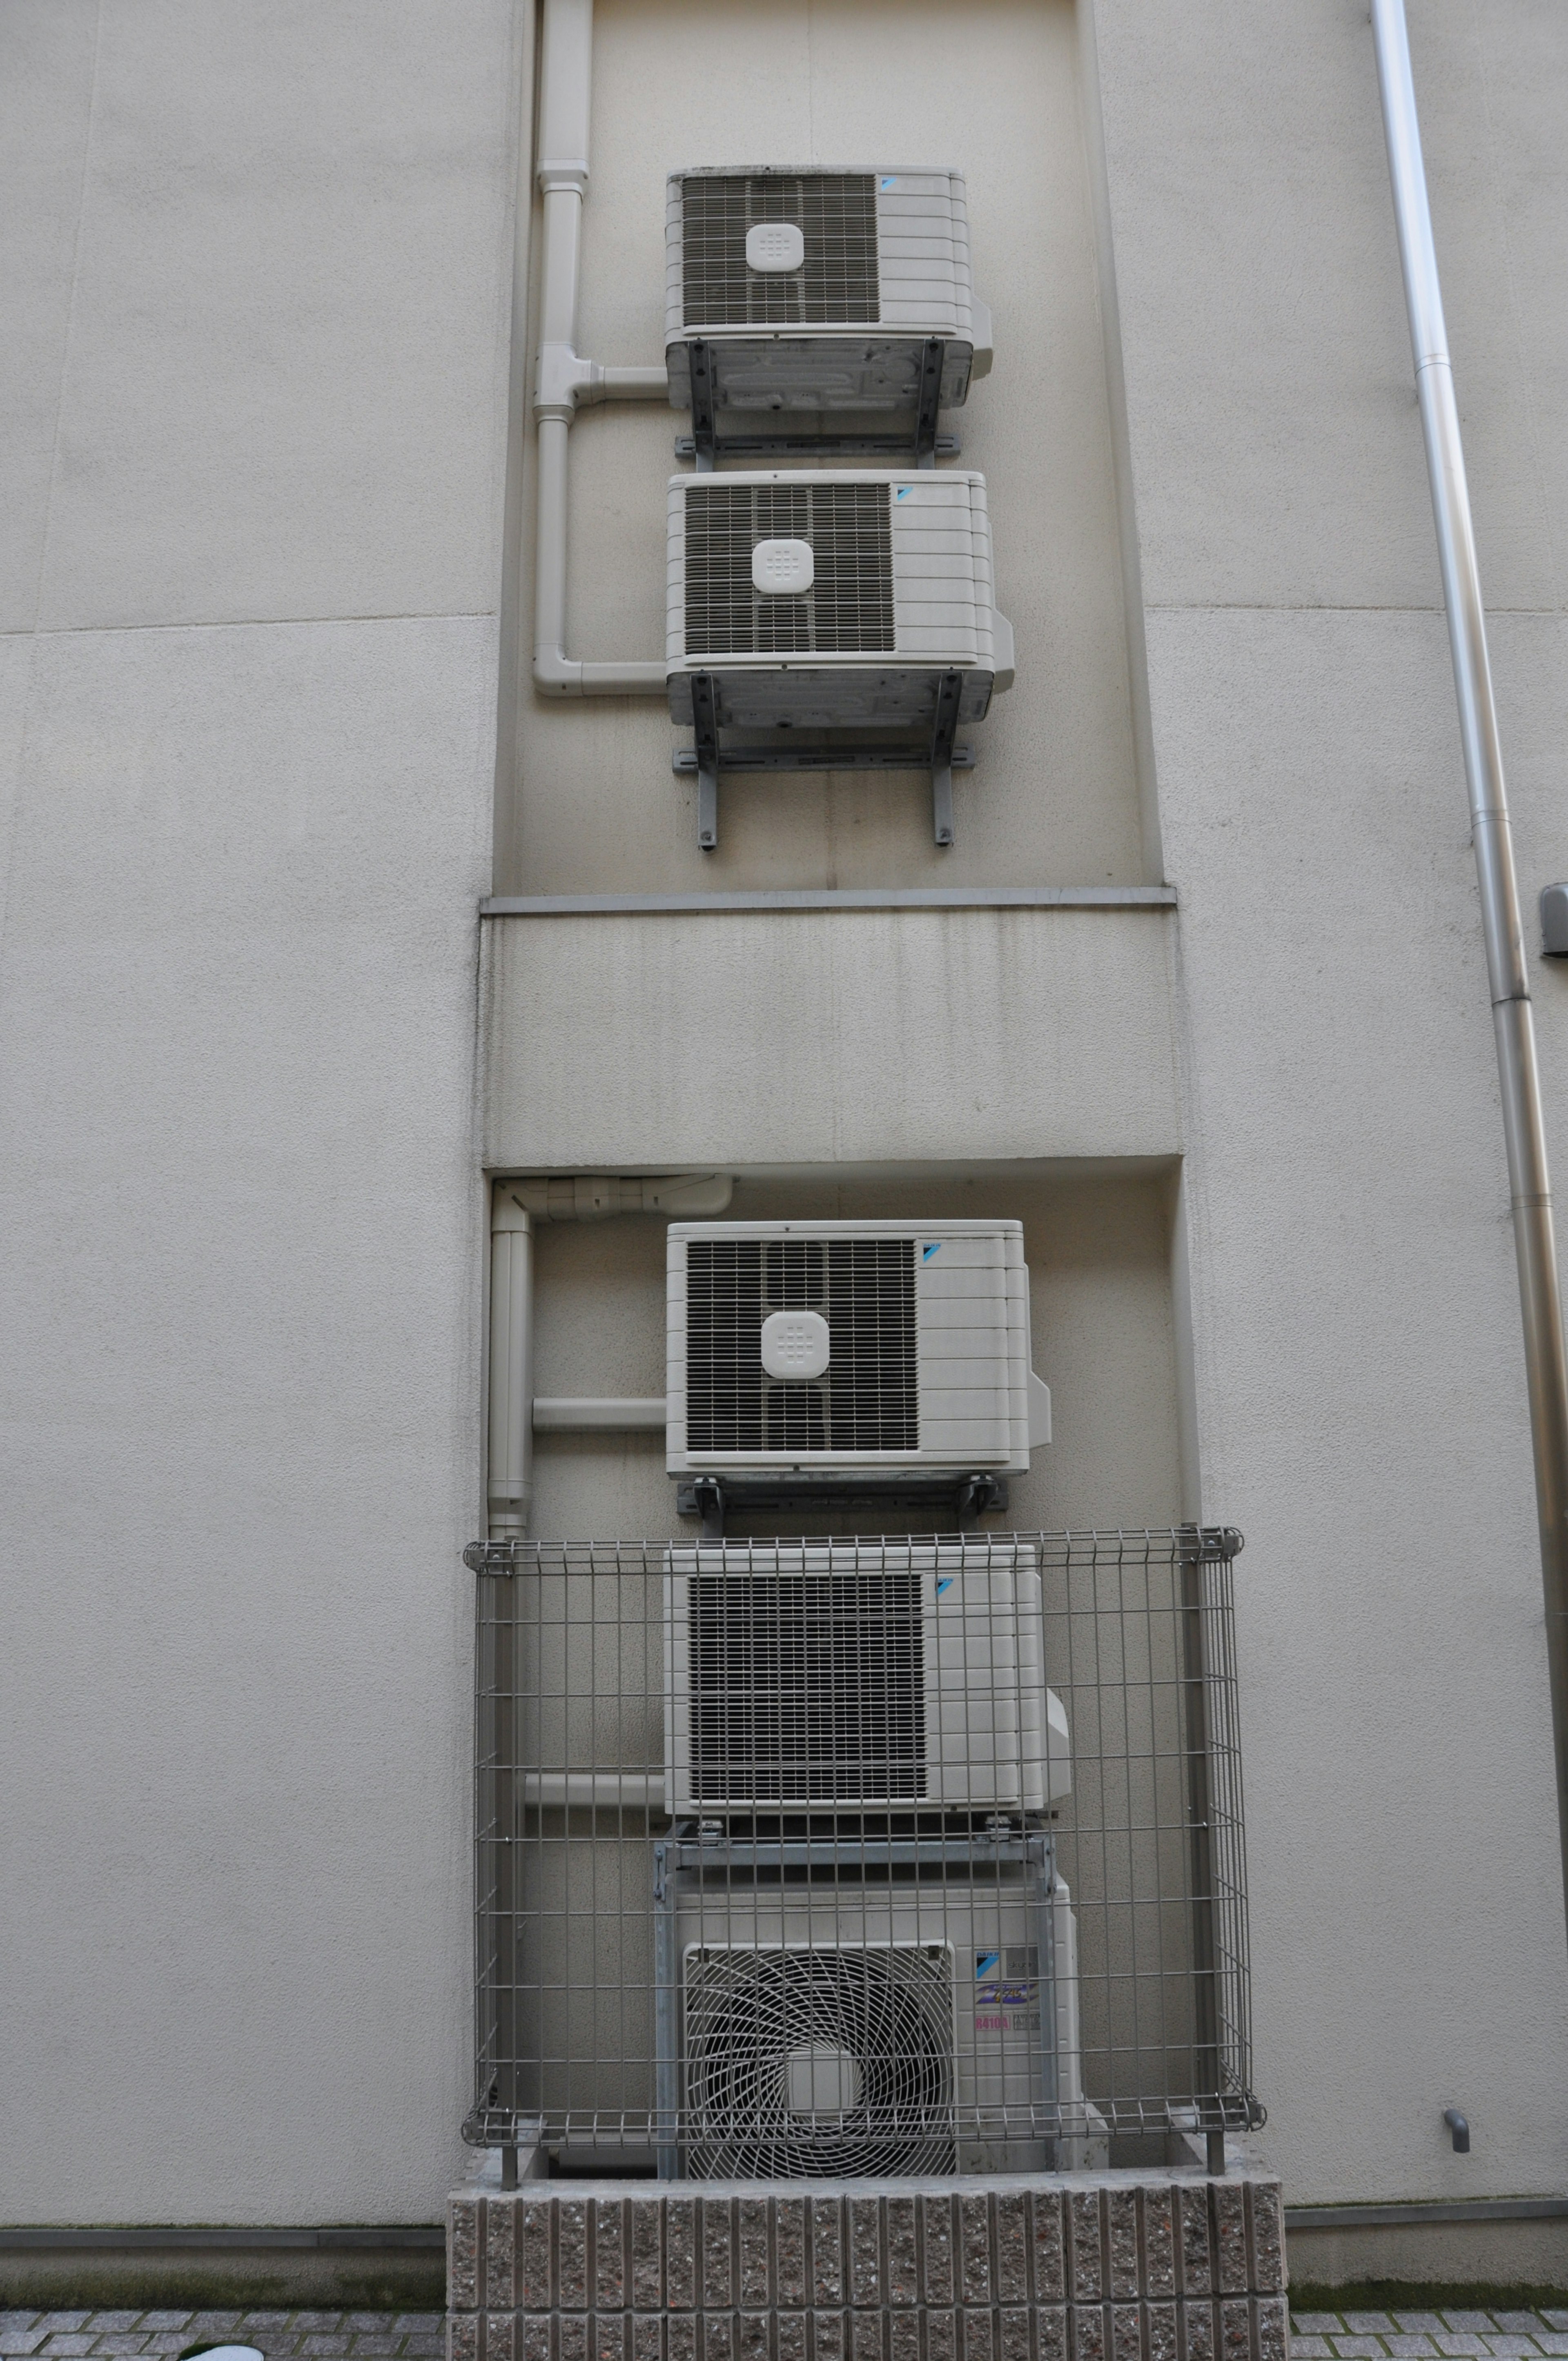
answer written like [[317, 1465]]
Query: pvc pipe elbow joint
[[555, 673]]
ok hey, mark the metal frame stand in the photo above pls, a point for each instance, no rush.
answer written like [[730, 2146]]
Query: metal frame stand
[[704, 446], [692, 1849], [966, 1496], [706, 758], [943, 733]]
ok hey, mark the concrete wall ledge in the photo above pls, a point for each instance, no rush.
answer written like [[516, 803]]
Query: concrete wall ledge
[[245, 2236], [870, 897], [1390, 2217]]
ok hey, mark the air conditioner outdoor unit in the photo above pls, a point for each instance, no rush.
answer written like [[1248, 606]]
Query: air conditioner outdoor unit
[[832, 601], [809, 300], [848, 618], [878, 2030], [852, 1676], [850, 1346]]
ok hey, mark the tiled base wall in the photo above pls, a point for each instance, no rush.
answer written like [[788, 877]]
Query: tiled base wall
[[1123, 2267]]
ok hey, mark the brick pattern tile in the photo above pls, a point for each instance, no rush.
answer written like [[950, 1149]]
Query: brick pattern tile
[[1152, 2271]]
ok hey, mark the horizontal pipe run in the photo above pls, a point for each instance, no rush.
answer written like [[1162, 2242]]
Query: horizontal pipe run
[[598, 1791], [636, 384], [558, 1414]]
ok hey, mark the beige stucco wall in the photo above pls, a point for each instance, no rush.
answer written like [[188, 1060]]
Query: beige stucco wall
[[1098, 1246], [253, 1059], [1358, 1375], [256, 270], [1054, 799]]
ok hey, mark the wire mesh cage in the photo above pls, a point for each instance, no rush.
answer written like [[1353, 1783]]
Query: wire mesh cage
[[859, 1857]]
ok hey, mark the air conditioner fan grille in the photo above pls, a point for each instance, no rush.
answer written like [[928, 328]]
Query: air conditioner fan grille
[[849, 608], [891, 2011], [807, 1686], [837, 283], [866, 1401]]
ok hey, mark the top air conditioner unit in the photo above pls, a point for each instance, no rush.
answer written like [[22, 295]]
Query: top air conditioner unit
[[855, 1346], [796, 297]]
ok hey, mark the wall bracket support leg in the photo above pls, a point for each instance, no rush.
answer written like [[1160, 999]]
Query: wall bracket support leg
[[942, 736], [705, 723], [704, 444]]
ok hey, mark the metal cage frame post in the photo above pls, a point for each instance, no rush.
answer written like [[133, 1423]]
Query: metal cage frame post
[[1199, 1813], [666, 2016]]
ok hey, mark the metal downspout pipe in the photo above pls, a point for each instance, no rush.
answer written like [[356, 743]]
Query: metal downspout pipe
[[1546, 1367]]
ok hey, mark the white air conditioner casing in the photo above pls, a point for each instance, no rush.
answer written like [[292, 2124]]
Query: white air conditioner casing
[[851, 1676], [817, 291], [928, 1346], [900, 593], [878, 2028]]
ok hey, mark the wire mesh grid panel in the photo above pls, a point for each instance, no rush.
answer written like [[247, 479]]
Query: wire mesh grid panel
[[859, 1856]]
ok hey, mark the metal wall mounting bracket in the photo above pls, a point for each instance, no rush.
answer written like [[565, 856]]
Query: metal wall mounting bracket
[[817, 446], [965, 1497], [699, 359], [925, 405], [705, 724], [940, 755], [703, 443], [942, 750]]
